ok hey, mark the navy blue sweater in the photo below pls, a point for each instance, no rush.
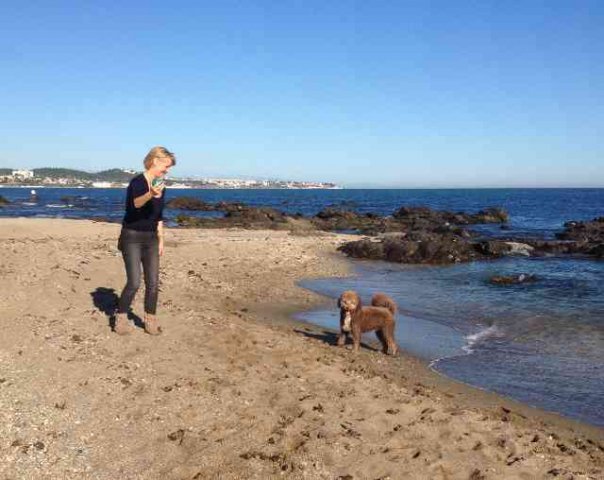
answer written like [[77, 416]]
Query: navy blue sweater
[[145, 218]]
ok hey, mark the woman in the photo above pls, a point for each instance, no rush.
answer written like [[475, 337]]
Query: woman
[[142, 238]]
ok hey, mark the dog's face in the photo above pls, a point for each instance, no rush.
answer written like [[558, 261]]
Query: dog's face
[[348, 303]]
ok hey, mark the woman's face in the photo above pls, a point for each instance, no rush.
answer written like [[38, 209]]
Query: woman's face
[[161, 166]]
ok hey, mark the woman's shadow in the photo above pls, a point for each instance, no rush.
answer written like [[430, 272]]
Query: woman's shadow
[[105, 300]]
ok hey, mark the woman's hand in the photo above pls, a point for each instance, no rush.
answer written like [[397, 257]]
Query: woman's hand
[[156, 192], [161, 246]]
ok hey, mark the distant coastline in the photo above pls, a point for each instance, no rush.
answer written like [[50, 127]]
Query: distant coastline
[[119, 178]]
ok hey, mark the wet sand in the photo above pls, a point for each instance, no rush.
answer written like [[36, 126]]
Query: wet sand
[[233, 388]]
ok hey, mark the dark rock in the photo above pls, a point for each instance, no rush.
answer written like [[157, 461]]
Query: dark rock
[[76, 201], [331, 213], [177, 436], [413, 211], [333, 219], [3, 201], [491, 215], [364, 249], [551, 247], [597, 251], [190, 203], [554, 472], [477, 475], [494, 248], [256, 214], [592, 232], [417, 247], [512, 279], [584, 237], [230, 206], [242, 216], [405, 219]]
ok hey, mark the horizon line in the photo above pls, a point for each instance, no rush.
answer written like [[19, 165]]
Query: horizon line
[[345, 185]]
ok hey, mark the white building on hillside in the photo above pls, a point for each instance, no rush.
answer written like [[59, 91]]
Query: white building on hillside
[[23, 173]]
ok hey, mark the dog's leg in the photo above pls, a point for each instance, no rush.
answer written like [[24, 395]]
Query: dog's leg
[[341, 339], [382, 338], [392, 346], [356, 339]]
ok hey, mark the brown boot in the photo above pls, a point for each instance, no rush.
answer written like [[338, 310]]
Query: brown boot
[[122, 325], [152, 324]]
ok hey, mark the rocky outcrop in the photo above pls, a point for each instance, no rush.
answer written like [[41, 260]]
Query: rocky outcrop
[[412, 234], [498, 248], [240, 216], [3, 201], [579, 238], [190, 203], [418, 247], [490, 215], [587, 237], [592, 231], [253, 215], [429, 236], [334, 219], [413, 215], [406, 219]]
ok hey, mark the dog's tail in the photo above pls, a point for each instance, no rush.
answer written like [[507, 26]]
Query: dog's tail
[[384, 301]]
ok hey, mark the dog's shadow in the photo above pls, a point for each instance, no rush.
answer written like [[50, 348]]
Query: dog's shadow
[[105, 300], [331, 338]]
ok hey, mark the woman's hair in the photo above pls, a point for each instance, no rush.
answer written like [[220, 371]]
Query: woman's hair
[[158, 152]]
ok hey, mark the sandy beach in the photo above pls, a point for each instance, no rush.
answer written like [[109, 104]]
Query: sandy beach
[[233, 388]]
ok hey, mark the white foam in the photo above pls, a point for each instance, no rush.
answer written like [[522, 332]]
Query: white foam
[[490, 332]]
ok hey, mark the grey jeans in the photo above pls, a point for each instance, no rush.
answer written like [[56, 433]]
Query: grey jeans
[[140, 249]]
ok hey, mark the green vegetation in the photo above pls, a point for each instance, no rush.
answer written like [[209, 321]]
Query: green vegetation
[[6, 171], [63, 173], [112, 175]]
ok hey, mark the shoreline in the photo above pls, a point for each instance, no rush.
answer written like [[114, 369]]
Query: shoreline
[[235, 387], [472, 396]]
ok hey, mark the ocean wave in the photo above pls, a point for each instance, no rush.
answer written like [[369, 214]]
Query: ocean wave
[[485, 334]]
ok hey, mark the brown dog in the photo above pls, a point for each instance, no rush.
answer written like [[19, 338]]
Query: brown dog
[[356, 319]]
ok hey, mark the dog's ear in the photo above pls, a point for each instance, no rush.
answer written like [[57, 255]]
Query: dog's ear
[[340, 302]]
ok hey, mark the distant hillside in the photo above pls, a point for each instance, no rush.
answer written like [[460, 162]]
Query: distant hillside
[[6, 171], [63, 173], [112, 175]]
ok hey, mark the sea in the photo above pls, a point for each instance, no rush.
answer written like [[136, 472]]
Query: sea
[[541, 343]]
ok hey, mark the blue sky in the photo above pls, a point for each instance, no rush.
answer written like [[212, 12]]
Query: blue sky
[[398, 93]]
